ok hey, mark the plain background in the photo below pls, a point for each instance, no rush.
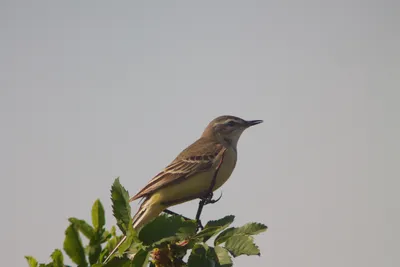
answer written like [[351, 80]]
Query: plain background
[[92, 90]]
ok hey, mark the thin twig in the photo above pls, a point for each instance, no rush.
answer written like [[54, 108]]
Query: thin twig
[[170, 212]]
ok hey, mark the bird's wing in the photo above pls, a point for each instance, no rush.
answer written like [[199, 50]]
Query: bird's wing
[[198, 157]]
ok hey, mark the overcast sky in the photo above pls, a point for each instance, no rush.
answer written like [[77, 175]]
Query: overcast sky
[[92, 90]]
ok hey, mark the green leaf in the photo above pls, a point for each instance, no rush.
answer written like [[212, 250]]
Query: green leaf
[[166, 228], [85, 228], [213, 227], [223, 222], [241, 245], [130, 237], [119, 262], [223, 257], [220, 256], [247, 229], [111, 244], [121, 207], [198, 257], [31, 261], [58, 259], [113, 231], [141, 258], [94, 253], [73, 246], [105, 236], [98, 218]]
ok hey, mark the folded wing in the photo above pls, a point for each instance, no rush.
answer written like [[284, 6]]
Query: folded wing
[[198, 157]]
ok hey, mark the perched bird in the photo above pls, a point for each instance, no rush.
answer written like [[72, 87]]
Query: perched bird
[[198, 170]]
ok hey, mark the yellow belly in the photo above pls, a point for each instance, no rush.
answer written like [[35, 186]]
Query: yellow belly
[[197, 185]]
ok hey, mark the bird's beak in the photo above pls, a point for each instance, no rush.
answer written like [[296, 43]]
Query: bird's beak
[[252, 123]]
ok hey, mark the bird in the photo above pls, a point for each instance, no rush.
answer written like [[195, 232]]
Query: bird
[[200, 169]]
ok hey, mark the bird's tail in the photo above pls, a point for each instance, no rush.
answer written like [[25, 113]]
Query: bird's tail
[[149, 210]]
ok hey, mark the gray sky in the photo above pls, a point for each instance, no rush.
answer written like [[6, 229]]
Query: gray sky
[[94, 90]]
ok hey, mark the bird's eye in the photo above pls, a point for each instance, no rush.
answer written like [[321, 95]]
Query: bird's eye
[[231, 123]]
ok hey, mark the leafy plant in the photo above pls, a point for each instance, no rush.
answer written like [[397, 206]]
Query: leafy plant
[[163, 242]]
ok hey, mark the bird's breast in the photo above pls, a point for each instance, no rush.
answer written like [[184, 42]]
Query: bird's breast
[[226, 168]]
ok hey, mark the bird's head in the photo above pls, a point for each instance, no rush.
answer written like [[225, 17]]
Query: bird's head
[[227, 129]]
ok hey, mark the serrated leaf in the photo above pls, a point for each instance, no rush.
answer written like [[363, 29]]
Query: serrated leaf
[[121, 207], [98, 218], [223, 257], [73, 246], [58, 259], [247, 229], [199, 258], [241, 245], [31, 261], [223, 222], [85, 228], [166, 228], [213, 227], [141, 258]]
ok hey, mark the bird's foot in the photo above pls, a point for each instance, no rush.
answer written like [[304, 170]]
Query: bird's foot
[[208, 199]]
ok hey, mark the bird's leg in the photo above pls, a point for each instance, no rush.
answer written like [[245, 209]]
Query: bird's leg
[[199, 210], [207, 198], [205, 201], [170, 212], [199, 226]]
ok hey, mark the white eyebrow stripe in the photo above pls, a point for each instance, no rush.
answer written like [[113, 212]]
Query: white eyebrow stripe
[[231, 119]]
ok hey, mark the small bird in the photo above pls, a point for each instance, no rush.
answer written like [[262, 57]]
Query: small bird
[[198, 170]]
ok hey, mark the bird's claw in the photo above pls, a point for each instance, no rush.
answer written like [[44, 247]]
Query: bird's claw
[[208, 199]]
